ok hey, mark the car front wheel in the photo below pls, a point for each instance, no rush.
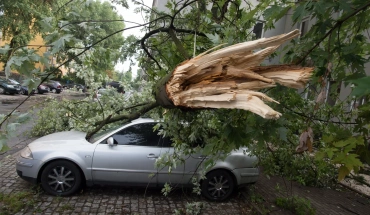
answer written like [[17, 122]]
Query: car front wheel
[[61, 178], [218, 185]]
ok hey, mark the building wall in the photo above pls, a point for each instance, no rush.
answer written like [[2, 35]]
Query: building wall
[[37, 41]]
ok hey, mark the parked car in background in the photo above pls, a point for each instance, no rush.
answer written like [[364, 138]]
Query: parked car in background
[[24, 91], [42, 88], [117, 85], [8, 86], [54, 86], [63, 162], [79, 87]]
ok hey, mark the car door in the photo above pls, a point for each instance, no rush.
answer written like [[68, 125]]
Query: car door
[[131, 159], [184, 171]]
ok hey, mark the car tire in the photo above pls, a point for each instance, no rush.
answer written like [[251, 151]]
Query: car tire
[[37, 91], [2, 90], [218, 185], [22, 92], [53, 90], [61, 178]]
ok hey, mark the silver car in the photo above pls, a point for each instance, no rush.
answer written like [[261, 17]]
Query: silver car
[[62, 162]]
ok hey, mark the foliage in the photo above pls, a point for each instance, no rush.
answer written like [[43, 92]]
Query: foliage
[[297, 205], [336, 45], [10, 127], [193, 208], [83, 115], [19, 21], [14, 202]]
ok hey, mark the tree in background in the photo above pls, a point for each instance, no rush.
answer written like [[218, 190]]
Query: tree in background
[[19, 21]]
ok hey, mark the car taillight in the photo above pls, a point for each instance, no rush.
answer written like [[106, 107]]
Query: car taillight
[[58, 87]]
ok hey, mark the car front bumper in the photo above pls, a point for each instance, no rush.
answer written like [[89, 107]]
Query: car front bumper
[[28, 169]]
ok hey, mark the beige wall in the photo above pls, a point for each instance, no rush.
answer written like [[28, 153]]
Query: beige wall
[[37, 41]]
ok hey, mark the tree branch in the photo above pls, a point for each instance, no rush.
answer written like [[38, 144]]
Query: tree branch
[[337, 24], [178, 11], [102, 123], [160, 30], [135, 115], [178, 44]]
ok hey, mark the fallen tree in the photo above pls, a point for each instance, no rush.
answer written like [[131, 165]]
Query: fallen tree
[[227, 78]]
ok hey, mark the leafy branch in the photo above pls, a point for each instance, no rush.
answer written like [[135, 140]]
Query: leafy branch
[[337, 25]]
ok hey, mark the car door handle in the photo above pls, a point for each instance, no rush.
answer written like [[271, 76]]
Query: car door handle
[[151, 155]]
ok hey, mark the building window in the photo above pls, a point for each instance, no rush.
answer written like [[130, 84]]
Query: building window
[[258, 30], [304, 27], [355, 103]]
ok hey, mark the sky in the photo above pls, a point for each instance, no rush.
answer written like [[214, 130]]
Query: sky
[[129, 15]]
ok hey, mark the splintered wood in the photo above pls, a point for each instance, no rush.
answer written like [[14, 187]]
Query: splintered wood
[[230, 77]]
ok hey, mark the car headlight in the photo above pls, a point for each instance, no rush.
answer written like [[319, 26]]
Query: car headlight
[[26, 153]]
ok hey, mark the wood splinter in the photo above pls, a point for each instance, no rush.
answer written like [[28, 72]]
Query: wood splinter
[[230, 77]]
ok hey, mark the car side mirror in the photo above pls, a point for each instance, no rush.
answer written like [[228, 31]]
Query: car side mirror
[[110, 141]]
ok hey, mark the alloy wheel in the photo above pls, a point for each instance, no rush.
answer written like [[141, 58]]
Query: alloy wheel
[[2, 91], [218, 186], [61, 179]]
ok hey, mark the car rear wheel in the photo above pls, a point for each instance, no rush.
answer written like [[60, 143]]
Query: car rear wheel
[[218, 186], [36, 91], [54, 90], [22, 92], [61, 178]]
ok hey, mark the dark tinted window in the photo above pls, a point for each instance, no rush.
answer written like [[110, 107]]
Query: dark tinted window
[[165, 142], [257, 30], [139, 135]]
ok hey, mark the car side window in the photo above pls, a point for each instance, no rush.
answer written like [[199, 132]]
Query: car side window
[[165, 142], [138, 135]]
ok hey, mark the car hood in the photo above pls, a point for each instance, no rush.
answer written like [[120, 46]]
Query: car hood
[[67, 139]]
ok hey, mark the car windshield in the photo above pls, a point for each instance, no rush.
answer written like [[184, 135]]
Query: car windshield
[[102, 133]]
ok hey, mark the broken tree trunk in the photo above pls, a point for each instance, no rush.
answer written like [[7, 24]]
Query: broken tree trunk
[[230, 77]]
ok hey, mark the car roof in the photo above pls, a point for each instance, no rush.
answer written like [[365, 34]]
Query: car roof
[[143, 120]]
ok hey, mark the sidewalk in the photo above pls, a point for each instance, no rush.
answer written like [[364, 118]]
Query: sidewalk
[[324, 201]]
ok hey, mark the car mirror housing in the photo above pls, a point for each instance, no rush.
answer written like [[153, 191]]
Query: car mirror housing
[[110, 141]]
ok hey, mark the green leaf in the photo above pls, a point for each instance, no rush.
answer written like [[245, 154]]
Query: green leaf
[[342, 172], [361, 86], [215, 38], [300, 12], [283, 133], [341, 143]]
